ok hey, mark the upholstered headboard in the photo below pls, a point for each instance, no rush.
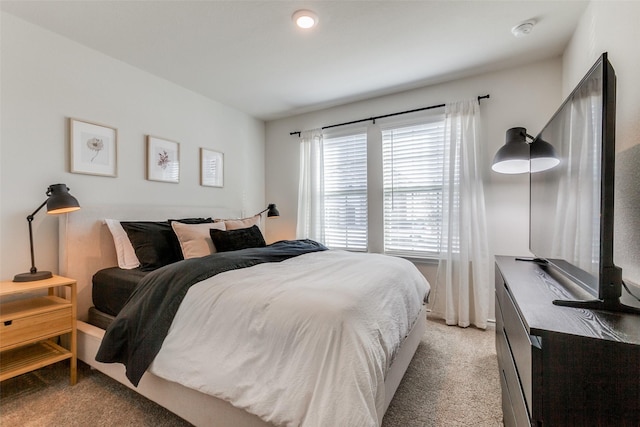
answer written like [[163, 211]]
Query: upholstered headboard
[[86, 244]]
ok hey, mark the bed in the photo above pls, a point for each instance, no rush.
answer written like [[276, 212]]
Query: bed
[[87, 246]]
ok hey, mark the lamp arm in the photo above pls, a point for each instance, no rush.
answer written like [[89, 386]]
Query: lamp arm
[[30, 217], [30, 220], [260, 213]]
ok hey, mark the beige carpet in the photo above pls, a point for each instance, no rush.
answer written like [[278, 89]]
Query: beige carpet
[[452, 381]]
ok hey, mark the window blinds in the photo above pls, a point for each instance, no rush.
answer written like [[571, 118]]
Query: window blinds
[[412, 168], [345, 191], [413, 157]]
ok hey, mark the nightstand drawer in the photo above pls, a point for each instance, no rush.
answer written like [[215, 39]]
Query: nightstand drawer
[[35, 327]]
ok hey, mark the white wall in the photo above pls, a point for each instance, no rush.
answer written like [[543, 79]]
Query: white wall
[[612, 27], [523, 96], [45, 79]]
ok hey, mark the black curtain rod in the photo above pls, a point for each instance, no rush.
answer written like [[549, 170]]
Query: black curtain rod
[[386, 115]]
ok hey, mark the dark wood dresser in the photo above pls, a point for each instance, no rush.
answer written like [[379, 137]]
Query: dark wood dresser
[[562, 366]]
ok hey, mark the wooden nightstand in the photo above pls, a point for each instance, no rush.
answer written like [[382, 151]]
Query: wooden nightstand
[[28, 326]]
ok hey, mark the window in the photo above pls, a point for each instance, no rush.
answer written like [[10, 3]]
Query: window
[[408, 197], [345, 191], [413, 157]]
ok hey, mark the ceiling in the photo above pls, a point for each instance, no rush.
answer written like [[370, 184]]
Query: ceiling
[[248, 54]]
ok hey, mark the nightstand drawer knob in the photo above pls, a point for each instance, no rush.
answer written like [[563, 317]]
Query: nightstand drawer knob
[[8, 323]]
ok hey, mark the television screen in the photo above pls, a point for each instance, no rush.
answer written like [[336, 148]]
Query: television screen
[[566, 225]]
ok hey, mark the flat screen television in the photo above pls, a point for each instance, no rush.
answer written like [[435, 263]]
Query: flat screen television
[[571, 206]]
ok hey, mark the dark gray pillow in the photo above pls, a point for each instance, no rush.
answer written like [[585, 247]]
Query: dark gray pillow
[[233, 240], [155, 243]]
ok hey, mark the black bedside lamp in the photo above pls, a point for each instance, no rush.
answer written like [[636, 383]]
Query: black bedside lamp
[[59, 201], [271, 211]]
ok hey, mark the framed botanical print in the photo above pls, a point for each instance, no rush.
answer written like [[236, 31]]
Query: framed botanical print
[[211, 168], [163, 160], [93, 148]]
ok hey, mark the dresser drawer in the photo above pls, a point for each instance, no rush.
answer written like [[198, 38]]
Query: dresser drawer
[[514, 407], [508, 416], [520, 345], [35, 327]]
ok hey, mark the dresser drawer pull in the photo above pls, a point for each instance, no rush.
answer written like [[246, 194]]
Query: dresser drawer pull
[[8, 323]]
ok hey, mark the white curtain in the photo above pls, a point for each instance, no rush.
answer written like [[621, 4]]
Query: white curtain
[[463, 285], [311, 187]]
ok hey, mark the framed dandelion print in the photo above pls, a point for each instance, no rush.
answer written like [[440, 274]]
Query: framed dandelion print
[[93, 148], [211, 168], [163, 160]]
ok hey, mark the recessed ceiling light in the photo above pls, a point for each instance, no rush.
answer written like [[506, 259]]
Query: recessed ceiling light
[[305, 19], [523, 29]]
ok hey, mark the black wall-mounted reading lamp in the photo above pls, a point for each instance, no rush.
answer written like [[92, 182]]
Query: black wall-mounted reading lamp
[[59, 201], [519, 156], [271, 211]]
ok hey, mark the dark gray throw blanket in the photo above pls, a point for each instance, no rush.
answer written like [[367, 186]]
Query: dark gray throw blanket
[[135, 336]]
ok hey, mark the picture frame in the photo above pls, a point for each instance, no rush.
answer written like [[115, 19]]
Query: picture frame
[[163, 160], [211, 168], [93, 148]]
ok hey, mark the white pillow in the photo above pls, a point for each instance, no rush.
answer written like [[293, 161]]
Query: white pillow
[[195, 240], [127, 258]]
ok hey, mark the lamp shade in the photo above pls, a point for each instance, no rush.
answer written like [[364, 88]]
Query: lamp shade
[[543, 156], [513, 157], [272, 210], [60, 201]]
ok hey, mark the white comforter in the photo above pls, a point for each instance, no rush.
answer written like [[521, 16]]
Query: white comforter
[[304, 342]]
